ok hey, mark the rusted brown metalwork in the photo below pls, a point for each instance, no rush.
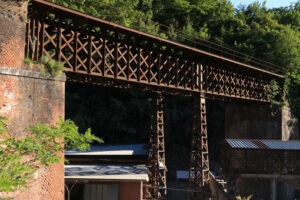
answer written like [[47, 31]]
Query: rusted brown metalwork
[[199, 160], [88, 45], [156, 153], [97, 51]]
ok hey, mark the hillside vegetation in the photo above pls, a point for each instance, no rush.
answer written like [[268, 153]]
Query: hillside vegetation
[[271, 35]]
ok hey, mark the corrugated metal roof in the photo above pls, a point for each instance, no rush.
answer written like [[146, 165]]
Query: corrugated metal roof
[[107, 172], [240, 144], [290, 145], [110, 150], [263, 144]]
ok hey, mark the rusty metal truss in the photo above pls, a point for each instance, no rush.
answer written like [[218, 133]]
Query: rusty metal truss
[[91, 46], [156, 153], [199, 160], [100, 52]]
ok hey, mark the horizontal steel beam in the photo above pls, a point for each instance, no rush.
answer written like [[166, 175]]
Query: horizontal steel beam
[[87, 45]]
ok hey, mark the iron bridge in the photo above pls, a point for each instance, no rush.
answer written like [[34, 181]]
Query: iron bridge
[[97, 51]]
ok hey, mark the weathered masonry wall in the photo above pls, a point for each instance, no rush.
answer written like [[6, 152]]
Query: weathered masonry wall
[[254, 121], [28, 97], [13, 15], [251, 121]]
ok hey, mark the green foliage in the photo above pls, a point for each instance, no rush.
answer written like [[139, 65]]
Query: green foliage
[[28, 60], [270, 34], [16, 167], [47, 65], [131, 13], [293, 90], [275, 95], [51, 66], [73, 139], [244, 198], [20, 158]]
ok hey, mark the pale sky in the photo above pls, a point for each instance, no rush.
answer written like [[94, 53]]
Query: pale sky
[[270, 3]]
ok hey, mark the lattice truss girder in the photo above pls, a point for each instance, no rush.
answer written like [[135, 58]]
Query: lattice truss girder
[[199, 160], [95, 48], [156, 157]]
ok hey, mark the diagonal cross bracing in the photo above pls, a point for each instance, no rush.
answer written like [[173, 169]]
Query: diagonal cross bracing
[[156, 157], [199, 160], [94, 47]]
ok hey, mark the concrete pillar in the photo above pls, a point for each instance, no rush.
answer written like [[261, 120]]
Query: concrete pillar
[[28, 97]]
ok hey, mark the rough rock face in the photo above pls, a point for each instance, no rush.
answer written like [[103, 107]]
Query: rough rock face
[[290, 126]]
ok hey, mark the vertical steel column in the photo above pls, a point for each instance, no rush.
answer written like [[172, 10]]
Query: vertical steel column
[[199, 163], [156, 154]]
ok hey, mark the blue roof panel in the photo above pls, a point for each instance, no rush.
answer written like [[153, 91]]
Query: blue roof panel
[[285, 145], [241, 144], [263, 144]]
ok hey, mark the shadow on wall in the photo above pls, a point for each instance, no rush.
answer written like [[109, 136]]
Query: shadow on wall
[[251, 121]]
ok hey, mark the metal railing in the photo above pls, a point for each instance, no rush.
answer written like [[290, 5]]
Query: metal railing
[[88, 45], [112, 13]]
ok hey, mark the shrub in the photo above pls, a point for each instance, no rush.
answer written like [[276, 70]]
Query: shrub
[[20, 158]]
